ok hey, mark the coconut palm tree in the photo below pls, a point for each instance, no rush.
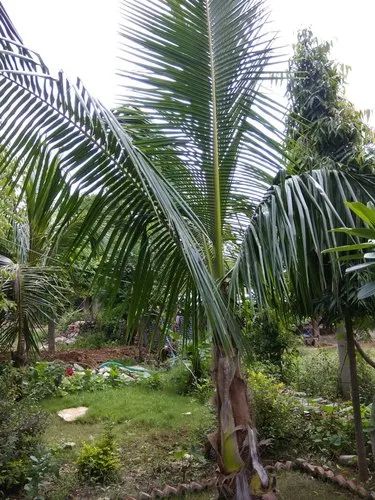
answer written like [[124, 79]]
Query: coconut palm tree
[[203, 122], [34, 278], [283, 262]]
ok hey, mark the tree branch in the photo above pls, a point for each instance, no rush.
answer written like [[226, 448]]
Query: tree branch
[[365, 356]]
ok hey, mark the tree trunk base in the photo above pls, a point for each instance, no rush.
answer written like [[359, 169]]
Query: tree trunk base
[[242, 476]]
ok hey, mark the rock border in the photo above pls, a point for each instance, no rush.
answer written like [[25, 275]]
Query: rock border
[[320, 472], [324, 473]]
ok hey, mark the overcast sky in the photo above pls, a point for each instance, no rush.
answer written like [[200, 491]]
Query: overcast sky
[[80, 36]]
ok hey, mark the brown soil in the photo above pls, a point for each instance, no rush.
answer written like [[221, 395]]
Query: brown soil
[[94, 357]]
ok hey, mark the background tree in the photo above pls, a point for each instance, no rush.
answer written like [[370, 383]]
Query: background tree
[[327, 164]]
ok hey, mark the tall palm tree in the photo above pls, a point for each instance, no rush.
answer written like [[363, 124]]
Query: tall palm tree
[[204, 123], [34, 278], [282, 260]]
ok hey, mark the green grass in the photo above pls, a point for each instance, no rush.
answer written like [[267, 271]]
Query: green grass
[[135, 404], [296, 486], [153, 430]]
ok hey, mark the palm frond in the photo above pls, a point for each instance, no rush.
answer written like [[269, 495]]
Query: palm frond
[[34, 294], [96, 155], [194, 67], [282, 250]]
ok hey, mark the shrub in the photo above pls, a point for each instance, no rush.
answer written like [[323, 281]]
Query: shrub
[[316, 373], [296, 424], [269, 337], [42, 379], [99, 462], [278, 416], [21, 425], [94, 339]]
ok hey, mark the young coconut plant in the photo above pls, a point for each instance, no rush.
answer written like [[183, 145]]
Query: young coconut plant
[[198, 66]]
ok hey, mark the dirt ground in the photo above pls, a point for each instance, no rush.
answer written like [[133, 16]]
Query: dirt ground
[[94, 357]]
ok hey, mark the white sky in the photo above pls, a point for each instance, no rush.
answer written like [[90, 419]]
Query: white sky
[[80, 36]]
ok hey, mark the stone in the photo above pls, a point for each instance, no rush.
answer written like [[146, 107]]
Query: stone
[[195, 486], [329, 474], [348, 460], [72, 414], [352, 486], [362, 492], [320, 471], [78, 368], [68, 445], [288, 465], [340, 480], [170, 491], [309, 468], [299, 462], [144, 496]]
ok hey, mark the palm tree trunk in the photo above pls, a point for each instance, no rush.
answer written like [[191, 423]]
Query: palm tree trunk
[[360, 442], [51, 336], [19, 357], [235, 442]]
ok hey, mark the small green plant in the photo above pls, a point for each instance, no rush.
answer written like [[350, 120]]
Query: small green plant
[[268, 337], [154, 382], [21, 425], [99, 462], [42, 465]]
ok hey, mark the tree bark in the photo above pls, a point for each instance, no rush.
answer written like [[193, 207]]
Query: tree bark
[[51, 336], [360, 442], [19, 357], [316, 331], [242, 475], [344, 365]]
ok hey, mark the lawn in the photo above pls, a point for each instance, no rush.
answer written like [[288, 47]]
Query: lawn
[[154, 430]]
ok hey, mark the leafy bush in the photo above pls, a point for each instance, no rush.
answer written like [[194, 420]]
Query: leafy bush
[[89, 380], [33, 382], [268, 337], [43, 465], [99, 462], [278, 416], [296, 424], [94, 339], [154, 382], [43, 379], [317, 373], [21, 426]]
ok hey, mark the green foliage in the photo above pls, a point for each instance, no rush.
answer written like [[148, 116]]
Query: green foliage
[[21, 426], [89, 380], [95, 339], [34, 382], [363, 251], [99, 462], [317, 375], [269, 337], [68, 317], [323, 128], [277, 414], [295, 424], [43, 465]]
